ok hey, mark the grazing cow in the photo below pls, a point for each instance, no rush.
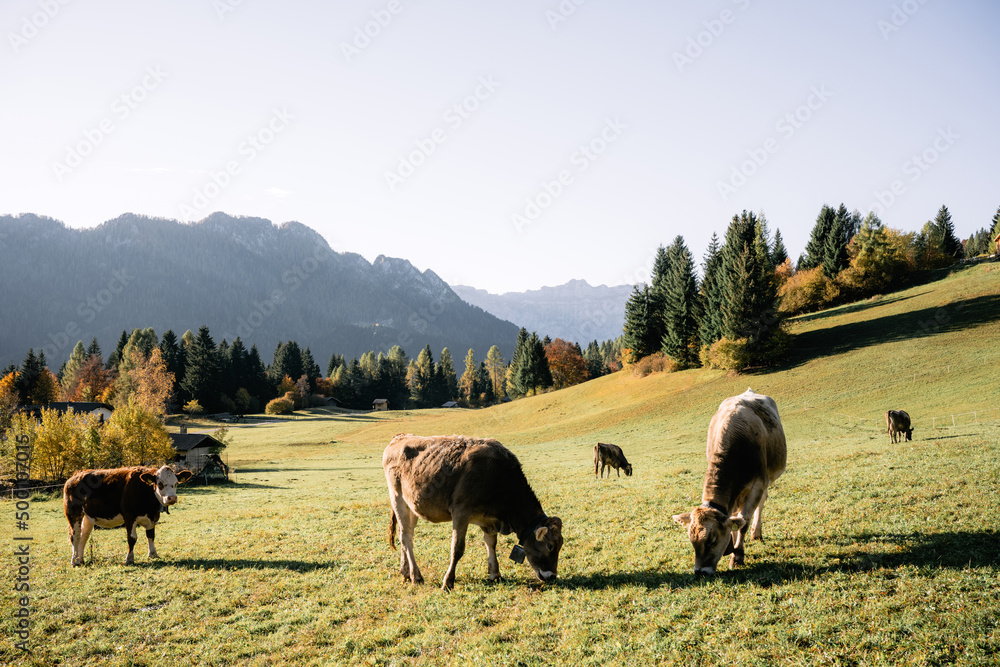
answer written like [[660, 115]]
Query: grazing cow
[[746, 453], [897, 424], [466, 480], [610, 456], [127, 497]]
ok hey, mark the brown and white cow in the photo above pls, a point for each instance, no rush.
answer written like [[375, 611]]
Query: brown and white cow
[[610, 456], [746, 453], [126, 497], [897, 424], [466, 481]]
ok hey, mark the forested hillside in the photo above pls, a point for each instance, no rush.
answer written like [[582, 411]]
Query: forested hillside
[[239, 276]]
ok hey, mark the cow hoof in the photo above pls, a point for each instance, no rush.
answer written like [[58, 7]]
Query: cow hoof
[[494, 579], [418, 579], [130, 560]]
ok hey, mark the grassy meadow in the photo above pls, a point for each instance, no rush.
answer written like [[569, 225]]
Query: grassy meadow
[[873, 553]]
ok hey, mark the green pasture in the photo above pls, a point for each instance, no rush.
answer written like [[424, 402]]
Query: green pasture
[[873, 553]]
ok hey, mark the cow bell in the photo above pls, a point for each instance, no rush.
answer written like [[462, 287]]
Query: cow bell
[[517, 554]]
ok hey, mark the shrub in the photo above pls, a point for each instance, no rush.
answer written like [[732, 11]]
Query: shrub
[[807, 291], [726, 354], [654, 363], [279, 406]]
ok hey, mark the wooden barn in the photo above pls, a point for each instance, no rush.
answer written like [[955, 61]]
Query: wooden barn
[[380, 404], [199, 453]]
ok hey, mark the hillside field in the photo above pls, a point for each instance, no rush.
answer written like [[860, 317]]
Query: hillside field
[[873, 553]]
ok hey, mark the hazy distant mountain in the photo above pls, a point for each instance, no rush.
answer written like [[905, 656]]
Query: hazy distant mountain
[[240, 276], [575, 311]]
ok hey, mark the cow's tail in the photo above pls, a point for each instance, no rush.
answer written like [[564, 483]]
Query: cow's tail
[[392, 529]]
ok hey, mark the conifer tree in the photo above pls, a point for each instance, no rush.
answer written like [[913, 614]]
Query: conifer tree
[[749, 303], [497, 370], [201, 373], [710, 326], [641, 330], [834, 249], [514, 385], [448, 382], [77, 358], [816, 247], [949, 243], [95, 348], [681, 305], [116, 356], [467, 384], [422, 379], [173, 354], [310, 368], [778, 254]]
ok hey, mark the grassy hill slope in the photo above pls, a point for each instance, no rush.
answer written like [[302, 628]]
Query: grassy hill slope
[[873, 554]]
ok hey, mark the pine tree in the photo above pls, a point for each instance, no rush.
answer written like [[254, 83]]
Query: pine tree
[[778, 254], [816, 247], [532, 372], [484, 385], [287, 361], [641, 334], [95, 349], [448, 383], [310, 368], [595, 363], [336, 361], [422, 379], [201, 374], [258, 384], [116, 356], [710, 327], [834, 249], [497, 369], [28, 376], [77, 358], [950, 245], [173, 354], [467, 384], [514, 385], [749, 303], [681, 299], [657, 297]]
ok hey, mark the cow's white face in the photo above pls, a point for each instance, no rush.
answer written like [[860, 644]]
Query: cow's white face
[[165, 482], [711, 535]]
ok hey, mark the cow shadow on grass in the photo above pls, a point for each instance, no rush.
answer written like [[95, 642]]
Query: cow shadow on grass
[[870, 552], [955, 316], [242, 564]]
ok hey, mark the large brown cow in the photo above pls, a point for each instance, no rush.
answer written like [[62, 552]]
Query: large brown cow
[[746, 453], [897, 424], [466, 480], [610, 456], [126, 497]]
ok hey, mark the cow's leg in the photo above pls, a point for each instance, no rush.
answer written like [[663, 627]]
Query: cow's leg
[[86, 527], [491, 555], [459, 527], [749, 507], [150, 536], [75, 530], [130, 534], [407, 560], [756, 532], [618, 471]]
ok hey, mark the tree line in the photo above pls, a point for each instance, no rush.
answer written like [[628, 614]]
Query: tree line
[[733, 316]]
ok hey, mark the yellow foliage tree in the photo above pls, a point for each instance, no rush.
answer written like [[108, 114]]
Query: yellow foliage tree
[[146, 381], [135, 436], [8, 399], [21, 428]]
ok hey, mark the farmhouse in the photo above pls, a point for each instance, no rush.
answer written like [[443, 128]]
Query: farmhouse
[[380, 404], [102, 410], [199, 452], [450, 404], [997, 242]]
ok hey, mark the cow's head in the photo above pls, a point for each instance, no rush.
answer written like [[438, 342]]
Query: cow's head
[[909, 434], [164, 482], [542, 546], [711, 535], [628, 469]]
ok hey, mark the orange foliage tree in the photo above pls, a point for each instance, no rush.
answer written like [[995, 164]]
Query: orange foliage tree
[[566, 363]]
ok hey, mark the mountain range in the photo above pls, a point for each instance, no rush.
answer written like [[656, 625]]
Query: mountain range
[[240, 276], [575, 311]]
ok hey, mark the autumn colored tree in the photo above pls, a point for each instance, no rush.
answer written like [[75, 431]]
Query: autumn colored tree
[[8, 399], [144, 380], [566, 364], [467, 384], [92, 381], [134, 436], [497, 371], [77, 358]]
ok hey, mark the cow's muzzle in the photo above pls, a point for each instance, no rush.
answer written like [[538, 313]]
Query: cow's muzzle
[[546, 576], [170, 500]]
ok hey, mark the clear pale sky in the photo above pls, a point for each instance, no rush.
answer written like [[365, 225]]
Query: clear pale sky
[[690, 112]]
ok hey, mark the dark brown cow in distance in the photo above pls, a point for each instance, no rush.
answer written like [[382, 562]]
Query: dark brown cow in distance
[[610, 456], [746, 453], [466, 480], [897, 424], [127, 497]]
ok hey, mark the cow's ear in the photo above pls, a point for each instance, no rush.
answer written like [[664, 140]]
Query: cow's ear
[[729, 547], [738, 522], [540, 533], [683, 519], [184, 475], [148, 478]]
